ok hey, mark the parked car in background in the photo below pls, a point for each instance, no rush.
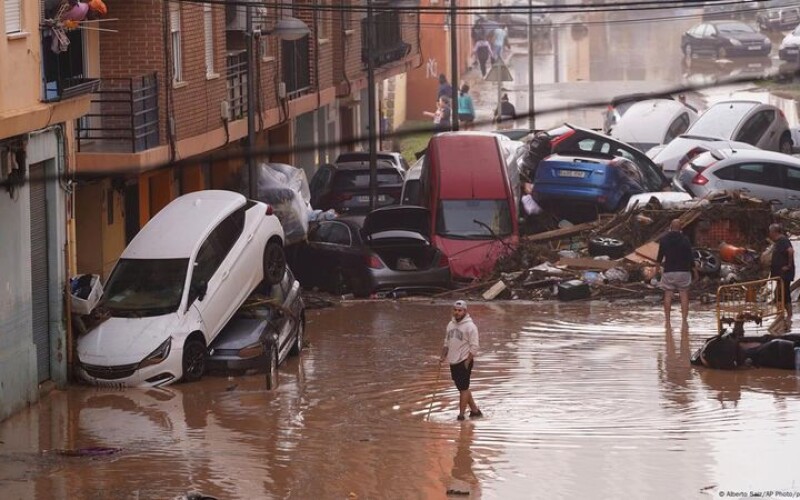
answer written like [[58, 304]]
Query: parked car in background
[[770, 176], [466, 186], [176, 286], [261, 337], [411, 185], [723, 39], [671, 157], [344, 187], [618, 106], [706, 72], [650, 123], [779, 15], [390, 156], [789, 49], [392, 252], [762, 125], [516, 18], [579, 186], [569, 139]]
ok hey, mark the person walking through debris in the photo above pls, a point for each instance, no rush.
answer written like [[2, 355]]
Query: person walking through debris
[[505, 114], [539, 148], [782, 265], [535, 218], [466, 108], [445, 89], [483, 53], [460, 349], [675, 257]]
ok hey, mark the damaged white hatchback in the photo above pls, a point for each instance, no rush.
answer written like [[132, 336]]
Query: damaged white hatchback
[[175, 287]]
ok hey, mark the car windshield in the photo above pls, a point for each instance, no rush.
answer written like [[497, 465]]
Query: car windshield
[[720, 120], [145, 287], [457, 219], [734, 28], [359, 179]]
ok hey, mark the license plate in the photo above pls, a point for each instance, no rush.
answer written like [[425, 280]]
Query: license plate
[[754, 47], [365, 199], [579, 174]]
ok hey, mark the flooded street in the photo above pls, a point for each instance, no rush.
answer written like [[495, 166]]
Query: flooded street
[[586, 400]]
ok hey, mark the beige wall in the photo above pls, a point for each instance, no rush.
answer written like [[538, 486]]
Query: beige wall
[[19, 63]]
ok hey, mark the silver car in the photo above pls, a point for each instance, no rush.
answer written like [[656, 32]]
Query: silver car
[[769, 176], [762, 125], [653, 122]]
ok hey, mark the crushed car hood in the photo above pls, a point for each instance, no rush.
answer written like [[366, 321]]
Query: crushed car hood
[[471, 259], [123, 341]]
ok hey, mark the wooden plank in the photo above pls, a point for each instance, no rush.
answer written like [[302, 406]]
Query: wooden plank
[[561, 233], [586, 263], [494, 291]]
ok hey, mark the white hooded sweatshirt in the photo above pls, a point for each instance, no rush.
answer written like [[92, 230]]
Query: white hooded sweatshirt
[[461, 340]]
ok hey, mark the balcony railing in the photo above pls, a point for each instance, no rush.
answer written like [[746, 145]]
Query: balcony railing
[[387, 39], [63, 72], [296, 67], [236, 70], [123, 116]]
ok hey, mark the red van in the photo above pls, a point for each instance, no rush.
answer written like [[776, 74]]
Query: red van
[[465, 185]]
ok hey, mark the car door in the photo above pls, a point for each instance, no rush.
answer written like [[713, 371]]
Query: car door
[[757, 179], [756, 130], [320, 184], [791, 187], [329, 250]]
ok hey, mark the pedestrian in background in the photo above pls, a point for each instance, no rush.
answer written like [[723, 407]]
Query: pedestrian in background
[[466, 108], [782, 265], [499, 43], [677, 263], [442, 115], [483, 53], [445, 89], [460, 348], [505, 114]]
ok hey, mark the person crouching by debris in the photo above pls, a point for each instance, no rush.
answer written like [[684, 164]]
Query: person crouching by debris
[[460, 349], [782, 265], [675, 258], [535, 218]]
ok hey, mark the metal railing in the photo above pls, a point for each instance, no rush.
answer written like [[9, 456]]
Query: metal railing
[[236, 70], [63, 73], [749, 301], [123, 115]]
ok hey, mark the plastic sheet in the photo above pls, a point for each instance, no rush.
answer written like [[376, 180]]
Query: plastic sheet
[[85, 291], [285, 188]]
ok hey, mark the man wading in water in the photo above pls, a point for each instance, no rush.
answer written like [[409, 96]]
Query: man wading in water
[[460, 349]]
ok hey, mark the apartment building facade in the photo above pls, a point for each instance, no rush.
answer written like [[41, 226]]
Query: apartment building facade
[[143, 105]]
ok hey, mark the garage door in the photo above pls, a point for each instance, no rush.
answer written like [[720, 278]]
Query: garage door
[[39, 271]]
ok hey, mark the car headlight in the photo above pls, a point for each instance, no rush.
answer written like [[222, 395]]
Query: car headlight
[[158, 355], [735, 42], [252, 351]]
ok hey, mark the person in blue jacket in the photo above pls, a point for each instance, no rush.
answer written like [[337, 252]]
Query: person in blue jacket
[[466, 108]]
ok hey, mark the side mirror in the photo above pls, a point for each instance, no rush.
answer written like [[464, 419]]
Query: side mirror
[[200, 290]]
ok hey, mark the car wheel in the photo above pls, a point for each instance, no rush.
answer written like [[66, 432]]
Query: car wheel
[[786, 145], [272, 368], [688, 51], [274, 263], [722, 53], [601, 245], [706, 262], [301, 329], [194, 360], [341, 282]]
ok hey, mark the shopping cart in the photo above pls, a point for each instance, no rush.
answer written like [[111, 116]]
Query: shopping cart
[[750, 301]]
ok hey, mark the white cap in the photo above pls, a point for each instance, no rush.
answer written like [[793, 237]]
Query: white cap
[[460, 304]]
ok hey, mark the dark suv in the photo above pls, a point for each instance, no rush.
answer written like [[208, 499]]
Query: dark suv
[[344, 186]]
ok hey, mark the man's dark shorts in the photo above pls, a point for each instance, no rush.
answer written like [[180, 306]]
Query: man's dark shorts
[[461, 374]]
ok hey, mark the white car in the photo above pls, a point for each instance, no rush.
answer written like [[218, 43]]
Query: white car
[[653, 122], [175, 287], [683, 148], [790, 46]]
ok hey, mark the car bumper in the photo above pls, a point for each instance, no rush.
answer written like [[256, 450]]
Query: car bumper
[[237, 363], [161, 374], [789, 54], [605, 199], [389, 279], [746, 52]]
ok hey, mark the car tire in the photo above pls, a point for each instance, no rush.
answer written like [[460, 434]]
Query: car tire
[[194, 360], [706, 262], [722, 53], [297, 348], [274, 263], [272, 368], [602, 245], [785, 146]]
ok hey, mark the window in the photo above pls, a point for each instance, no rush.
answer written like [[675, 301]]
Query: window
[[793, 179], [175, 37], [457, 219], [594, 146], [13, 16], [216, 247], [755, 127], [677, 127], [334, 233], [346, 15], [323, 24], [208, 26], [752, 173]]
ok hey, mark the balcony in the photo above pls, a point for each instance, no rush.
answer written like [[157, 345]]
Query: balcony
[[236, 71], [123, 116], [64, 72], [296, 67], [387, 39]]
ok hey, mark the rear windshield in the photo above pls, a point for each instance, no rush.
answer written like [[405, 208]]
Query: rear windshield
[[720, 120], [474, 219], [359, 179], [411, 192], [703, 161]]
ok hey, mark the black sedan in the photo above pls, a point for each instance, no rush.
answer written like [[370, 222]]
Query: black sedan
[[723, 39], [392, 252], [263, 333]]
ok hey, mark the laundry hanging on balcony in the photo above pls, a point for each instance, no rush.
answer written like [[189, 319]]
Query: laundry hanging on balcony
[[63, 15]]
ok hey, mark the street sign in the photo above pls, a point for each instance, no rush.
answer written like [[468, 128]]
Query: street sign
[[499, 73]]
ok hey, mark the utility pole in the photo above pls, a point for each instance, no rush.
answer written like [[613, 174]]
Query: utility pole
[[453, 67], [251, 94], [373, 138], [531, 101]]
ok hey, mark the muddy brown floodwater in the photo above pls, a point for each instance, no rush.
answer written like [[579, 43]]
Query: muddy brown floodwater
[[591, 400]]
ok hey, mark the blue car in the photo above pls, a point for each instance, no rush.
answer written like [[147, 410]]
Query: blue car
[[579, 186]]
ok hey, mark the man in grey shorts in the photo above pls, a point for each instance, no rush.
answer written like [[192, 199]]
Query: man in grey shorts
[[677, 263]]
